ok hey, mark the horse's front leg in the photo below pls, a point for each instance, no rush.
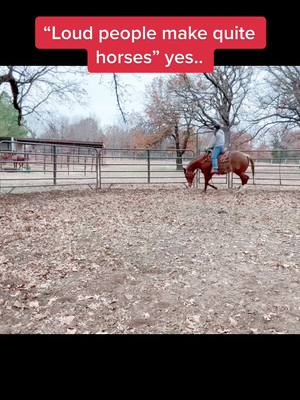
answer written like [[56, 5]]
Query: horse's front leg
[[207, 179], [209, 184]]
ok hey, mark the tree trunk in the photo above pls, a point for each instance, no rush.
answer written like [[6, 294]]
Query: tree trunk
[[179, 166], [227, 137]]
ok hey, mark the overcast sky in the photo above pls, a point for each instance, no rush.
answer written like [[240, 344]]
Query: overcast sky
[[101, 98]]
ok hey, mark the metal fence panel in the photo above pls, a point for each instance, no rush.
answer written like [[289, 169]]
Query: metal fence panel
[[65, 165]]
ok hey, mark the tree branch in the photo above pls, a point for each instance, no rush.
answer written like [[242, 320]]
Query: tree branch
[[118, 97]]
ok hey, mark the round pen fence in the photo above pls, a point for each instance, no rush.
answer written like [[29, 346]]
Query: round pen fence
[[33, 165]]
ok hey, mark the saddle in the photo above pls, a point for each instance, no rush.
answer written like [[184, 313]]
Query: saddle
[[224, 163]]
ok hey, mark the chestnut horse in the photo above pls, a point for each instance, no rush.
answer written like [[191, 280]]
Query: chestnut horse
[[16, 159], [19, 160], [230, 161]]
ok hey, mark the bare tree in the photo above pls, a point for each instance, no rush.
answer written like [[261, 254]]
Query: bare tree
[[57, 128], [217, 97], [116, 137], [31, 86], [168, 115], [84, 129], [280, 101]]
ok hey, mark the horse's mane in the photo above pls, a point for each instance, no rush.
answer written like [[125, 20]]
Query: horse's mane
[[200, 157]]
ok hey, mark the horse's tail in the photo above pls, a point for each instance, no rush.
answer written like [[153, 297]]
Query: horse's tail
[[252, 166]]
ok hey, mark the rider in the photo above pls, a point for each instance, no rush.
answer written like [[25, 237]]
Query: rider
[[216, 146]]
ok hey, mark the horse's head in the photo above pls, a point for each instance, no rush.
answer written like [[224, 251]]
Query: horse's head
[[202, 162], [189, 175]]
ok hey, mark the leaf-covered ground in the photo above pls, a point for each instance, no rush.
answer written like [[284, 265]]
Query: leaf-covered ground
[[150, 261]]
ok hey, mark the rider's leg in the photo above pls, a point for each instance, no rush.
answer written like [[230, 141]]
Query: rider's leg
[[214, 157]]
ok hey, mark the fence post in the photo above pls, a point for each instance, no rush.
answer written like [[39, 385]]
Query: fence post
[[98, 170], [45, 166], [68, 163], [54, 164], [148, 164], [280, 171]]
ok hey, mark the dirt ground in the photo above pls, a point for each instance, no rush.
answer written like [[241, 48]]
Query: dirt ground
[[150, 260]]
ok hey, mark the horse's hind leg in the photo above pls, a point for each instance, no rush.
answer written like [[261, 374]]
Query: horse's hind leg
[[244, 178]]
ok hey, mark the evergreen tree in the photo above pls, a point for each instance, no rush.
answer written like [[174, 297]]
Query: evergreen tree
[[9, 118]]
